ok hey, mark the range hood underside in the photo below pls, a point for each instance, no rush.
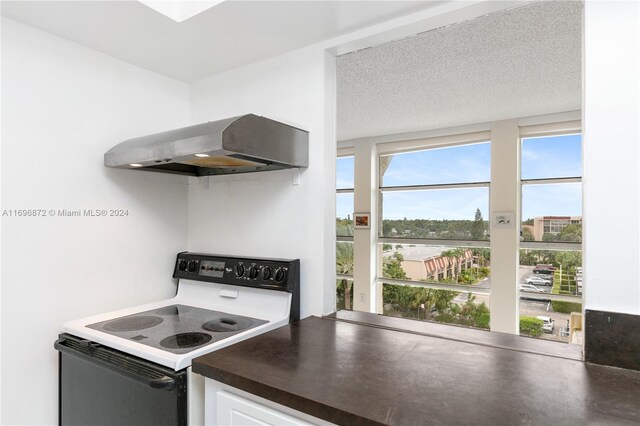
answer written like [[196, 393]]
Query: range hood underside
[[195, 170]]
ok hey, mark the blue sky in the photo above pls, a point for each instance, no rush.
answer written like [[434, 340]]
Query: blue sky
[[344, 172], [468, 163], [551, 157], [456, 204], [557, 156]]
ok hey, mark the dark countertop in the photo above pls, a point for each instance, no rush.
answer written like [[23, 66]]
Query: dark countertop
[[463, 334], [354, 374]]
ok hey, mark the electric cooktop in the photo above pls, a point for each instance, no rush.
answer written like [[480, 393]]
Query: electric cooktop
[[177, 329]]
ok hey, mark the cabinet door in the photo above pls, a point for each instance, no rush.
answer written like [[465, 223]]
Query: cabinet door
[[237, 411]]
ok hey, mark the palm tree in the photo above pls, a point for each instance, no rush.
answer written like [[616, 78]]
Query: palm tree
[[481, 255], [448, 255], [344, 265], [456, 257], [430, 299]]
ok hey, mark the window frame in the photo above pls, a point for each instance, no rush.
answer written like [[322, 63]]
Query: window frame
[[509, 133], [566, 128], [343, 153], [541, 131], [424, 144]]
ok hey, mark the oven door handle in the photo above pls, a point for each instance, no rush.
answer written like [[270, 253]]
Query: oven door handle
[[141, 371], [164, 382]]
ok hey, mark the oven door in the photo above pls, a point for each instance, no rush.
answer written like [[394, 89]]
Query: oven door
[[102, 386]]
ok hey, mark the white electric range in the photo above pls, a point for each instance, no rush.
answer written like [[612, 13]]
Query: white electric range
[[132, 366]]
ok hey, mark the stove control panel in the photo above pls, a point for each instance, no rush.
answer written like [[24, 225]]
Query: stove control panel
[[273, 274]]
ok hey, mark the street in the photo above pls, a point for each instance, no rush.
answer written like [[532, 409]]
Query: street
[[528, 307], [523, 274]]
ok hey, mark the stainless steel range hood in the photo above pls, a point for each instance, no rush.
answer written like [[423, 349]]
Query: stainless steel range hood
[[243, 144]]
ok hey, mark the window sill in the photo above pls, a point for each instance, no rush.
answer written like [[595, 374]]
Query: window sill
[[462, 334]]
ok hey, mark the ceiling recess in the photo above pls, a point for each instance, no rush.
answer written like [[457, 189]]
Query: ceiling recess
[[180, 10]]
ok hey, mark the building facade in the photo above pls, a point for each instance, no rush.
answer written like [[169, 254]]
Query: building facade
[[552, 225]]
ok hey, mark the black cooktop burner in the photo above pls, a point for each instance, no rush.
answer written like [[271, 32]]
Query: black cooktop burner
[[185, 340], [177, 328], [132, 323], [227, 324]]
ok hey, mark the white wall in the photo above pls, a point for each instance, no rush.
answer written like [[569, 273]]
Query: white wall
[[265, 214], [611, 156], [63, 106]]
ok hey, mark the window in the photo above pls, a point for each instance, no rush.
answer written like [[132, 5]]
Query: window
[[344, 196], [344, 228], [449, 214], [344, 272], [430, 236], [551, 254], [433, 237], [439, 193], [448, 165]]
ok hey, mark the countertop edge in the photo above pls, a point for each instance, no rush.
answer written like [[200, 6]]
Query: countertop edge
[[282, 397]]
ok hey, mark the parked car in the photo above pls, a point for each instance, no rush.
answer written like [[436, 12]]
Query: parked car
[[548, 324], [537, 280], [529, 287], [545, 266]]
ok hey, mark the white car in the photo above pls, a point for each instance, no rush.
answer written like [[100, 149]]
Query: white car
[[538, 280], [548, 324], [529, 287]]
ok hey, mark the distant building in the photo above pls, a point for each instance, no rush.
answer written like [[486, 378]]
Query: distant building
[[427, 263], [551, 225]]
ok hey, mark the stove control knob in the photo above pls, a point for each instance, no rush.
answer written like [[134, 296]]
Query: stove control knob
[[192, 265], [253, 272], [239, 270], [182, 266], [279, 275], [266, 273]]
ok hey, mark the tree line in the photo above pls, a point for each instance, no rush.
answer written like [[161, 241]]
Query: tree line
[[568, 260], [476, 229]]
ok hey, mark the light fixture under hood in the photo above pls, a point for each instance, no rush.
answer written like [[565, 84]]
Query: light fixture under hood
[[243, 144]]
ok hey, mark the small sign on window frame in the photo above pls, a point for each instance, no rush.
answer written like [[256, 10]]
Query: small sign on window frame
[[503, 219], [362, 220]]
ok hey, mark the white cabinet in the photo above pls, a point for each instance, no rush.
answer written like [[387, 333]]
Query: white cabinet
[[234, 410], [228, 406]]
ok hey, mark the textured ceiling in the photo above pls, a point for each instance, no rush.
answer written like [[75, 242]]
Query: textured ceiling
[[518, 63]]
